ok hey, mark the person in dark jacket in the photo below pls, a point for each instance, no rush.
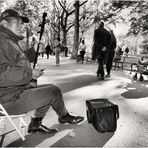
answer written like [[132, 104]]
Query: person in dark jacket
[[118, 53], [19, 92], [48, 50], [66, 51], [126, 51], [102, 40], [111, 53], [30, 52]]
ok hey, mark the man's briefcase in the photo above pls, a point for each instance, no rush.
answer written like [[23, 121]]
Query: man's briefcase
[[102, 114]]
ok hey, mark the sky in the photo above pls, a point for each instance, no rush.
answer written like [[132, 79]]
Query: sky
[[121, 29]]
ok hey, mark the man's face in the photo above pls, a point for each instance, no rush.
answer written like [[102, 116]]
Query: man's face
[[16, 26]]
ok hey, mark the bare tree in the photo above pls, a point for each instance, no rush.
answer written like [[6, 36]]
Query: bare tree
[[76, 31]]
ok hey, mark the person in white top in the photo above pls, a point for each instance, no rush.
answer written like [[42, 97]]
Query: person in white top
[[82, 50]]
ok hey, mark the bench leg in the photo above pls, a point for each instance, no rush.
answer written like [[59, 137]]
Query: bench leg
[[122, 66], [115, 66]]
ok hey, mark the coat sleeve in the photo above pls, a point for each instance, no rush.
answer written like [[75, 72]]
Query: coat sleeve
[[14, 68], [99, 38], [108, 39]]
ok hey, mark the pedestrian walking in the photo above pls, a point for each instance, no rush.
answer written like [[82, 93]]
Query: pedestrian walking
[[102, 41], [126, 51], [48, 50], [66, 51], [118, 53], [41, 49], [111, 53], [19, 90], [57, 51], [82, 50]]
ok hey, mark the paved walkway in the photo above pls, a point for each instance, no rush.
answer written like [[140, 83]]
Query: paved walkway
[[78, 83]]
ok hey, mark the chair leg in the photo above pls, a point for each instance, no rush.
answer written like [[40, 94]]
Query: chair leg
[[3, 111], [21, 135], [2, 125], [122, 66], [23, 123]]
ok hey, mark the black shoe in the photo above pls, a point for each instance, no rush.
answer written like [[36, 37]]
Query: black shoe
[[101, 78], [70, 119], [107, 76], [36, 126]]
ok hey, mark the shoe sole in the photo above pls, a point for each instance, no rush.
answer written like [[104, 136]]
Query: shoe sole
[[70, 123], [35, 131]]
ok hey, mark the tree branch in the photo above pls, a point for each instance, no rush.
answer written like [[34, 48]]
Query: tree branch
[[63, 7], [70, 27], [79, 6]]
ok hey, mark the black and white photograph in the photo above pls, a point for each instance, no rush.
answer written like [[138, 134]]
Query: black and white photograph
[[74, 73]]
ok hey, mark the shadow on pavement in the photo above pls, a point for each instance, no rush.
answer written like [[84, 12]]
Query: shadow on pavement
[[136, 90], [74, 82], [31, 140], [83, 135]]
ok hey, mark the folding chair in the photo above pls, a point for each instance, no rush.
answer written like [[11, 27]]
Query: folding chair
[[4, 114]]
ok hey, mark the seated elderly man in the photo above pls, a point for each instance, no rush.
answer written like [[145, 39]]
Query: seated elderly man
[[19, 92]]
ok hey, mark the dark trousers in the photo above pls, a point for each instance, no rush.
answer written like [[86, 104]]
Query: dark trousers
[[66, 53], [110, 61], [47, 55], [82, 53], [38, 99], [42, 53], [101, 61]]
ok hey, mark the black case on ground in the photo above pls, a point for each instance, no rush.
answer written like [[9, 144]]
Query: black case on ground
[[103, 114]]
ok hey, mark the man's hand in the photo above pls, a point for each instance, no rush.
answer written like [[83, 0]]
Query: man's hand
[[37, 73], [31, 84]]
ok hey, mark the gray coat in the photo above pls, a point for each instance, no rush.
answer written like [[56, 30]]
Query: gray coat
[[15, 69]]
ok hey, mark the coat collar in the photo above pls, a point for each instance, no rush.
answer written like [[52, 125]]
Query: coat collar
[[5, 32]]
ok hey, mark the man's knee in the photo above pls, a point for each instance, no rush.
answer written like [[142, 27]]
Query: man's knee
[[50, 89], [53, 89], [56, 89]]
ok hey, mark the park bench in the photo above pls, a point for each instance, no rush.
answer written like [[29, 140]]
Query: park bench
[[127, 62], [142, 69], [118, 63], [87, 58]]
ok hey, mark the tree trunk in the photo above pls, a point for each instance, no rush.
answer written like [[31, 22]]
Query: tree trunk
[[27, 38], [65, 37], [59, 27], [135, 47], [76, 31]]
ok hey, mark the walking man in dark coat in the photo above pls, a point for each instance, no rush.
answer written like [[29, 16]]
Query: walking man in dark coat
[[102, 40], [111, 53]]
